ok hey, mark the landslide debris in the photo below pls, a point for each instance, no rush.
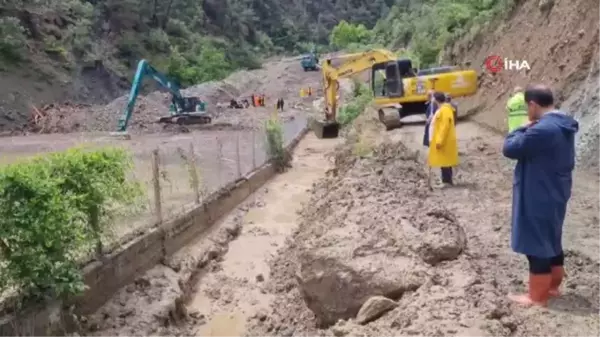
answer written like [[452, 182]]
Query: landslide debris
[[370, 232]]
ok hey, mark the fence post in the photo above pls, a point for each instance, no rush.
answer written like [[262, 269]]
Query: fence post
[[156, 184], [194, 173], [237, 155], [253, 149], [220, 160]]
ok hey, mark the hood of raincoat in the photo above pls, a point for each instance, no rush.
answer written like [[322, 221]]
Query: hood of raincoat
[[567, 124]]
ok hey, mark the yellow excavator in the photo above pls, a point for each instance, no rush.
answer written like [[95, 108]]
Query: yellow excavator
[[399, 89]]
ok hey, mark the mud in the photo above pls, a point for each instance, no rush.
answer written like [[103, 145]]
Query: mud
[[378, 215]]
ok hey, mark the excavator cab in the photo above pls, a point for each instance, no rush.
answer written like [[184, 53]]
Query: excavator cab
[[394, 72]]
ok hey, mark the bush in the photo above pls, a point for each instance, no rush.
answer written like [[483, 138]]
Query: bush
[[361, 97], [13, 39], [53, 211], [275, 144]]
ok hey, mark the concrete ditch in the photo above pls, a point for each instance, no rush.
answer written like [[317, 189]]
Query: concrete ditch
[[122, 266]]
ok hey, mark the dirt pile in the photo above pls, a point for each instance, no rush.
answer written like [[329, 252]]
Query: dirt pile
[[560, 42], [371, 229]]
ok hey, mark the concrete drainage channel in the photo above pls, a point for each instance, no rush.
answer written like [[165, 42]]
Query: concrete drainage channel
[[121, 270]]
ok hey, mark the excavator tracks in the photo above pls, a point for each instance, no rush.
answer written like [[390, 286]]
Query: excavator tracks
[[186, 120]]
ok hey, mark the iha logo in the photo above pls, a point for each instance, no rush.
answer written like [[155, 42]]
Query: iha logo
[[495, 64]]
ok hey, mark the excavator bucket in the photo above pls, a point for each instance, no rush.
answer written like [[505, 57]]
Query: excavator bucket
[[326, 129]]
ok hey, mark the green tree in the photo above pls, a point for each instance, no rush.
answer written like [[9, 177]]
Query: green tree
[[345, 34], [12, 44]]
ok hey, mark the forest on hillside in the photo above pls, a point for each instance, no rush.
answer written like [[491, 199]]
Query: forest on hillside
[[201, 40], [196, 40]]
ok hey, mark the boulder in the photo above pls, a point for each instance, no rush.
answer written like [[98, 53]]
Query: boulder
[[335, 286], [374, 308]]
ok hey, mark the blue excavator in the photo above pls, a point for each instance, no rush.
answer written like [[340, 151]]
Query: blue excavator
[[183, 110]]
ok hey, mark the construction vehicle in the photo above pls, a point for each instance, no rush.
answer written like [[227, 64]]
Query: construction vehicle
[[402, 93], [310, 61], [183, 110]]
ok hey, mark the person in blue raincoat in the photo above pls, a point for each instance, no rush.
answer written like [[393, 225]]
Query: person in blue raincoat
[[545, 154], [430, 110]]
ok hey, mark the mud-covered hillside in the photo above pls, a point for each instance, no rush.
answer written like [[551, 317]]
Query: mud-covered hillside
[[559, 40]]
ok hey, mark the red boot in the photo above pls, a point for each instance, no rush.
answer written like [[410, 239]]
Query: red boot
[[558, 273], [539, 291]]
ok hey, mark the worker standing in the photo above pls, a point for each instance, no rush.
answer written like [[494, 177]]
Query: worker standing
[[443, 147], [253, 100], [516, 109], [545, 154], [309, 91]]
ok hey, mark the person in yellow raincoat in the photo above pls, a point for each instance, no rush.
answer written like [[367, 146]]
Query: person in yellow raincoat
[[443, 147]]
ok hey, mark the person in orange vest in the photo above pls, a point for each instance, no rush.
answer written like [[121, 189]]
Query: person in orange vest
[[309, 91], [262, 100]]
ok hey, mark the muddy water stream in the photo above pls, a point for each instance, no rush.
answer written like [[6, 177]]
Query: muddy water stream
[[233, 294]]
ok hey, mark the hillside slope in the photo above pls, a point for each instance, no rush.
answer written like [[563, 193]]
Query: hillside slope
[[559, 40], [86, 50]]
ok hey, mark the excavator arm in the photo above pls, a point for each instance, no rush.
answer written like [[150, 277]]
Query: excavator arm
[[351, 64], [183, 107], [145, 69]]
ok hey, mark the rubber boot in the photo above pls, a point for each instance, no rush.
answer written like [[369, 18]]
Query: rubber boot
[[539, 291], [558, 273]]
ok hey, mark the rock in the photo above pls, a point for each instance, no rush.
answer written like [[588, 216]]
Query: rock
[[441, 238], [335, 287], [374, 308]]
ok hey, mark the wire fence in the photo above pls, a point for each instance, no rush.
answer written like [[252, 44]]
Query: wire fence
[[181, 173]]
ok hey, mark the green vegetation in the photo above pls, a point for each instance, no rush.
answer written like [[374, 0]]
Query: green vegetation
[[13, 40], [361, 97], [55, 210], [195, 40], [421, 28], [427, 26], [346, 35], [275, 144]]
